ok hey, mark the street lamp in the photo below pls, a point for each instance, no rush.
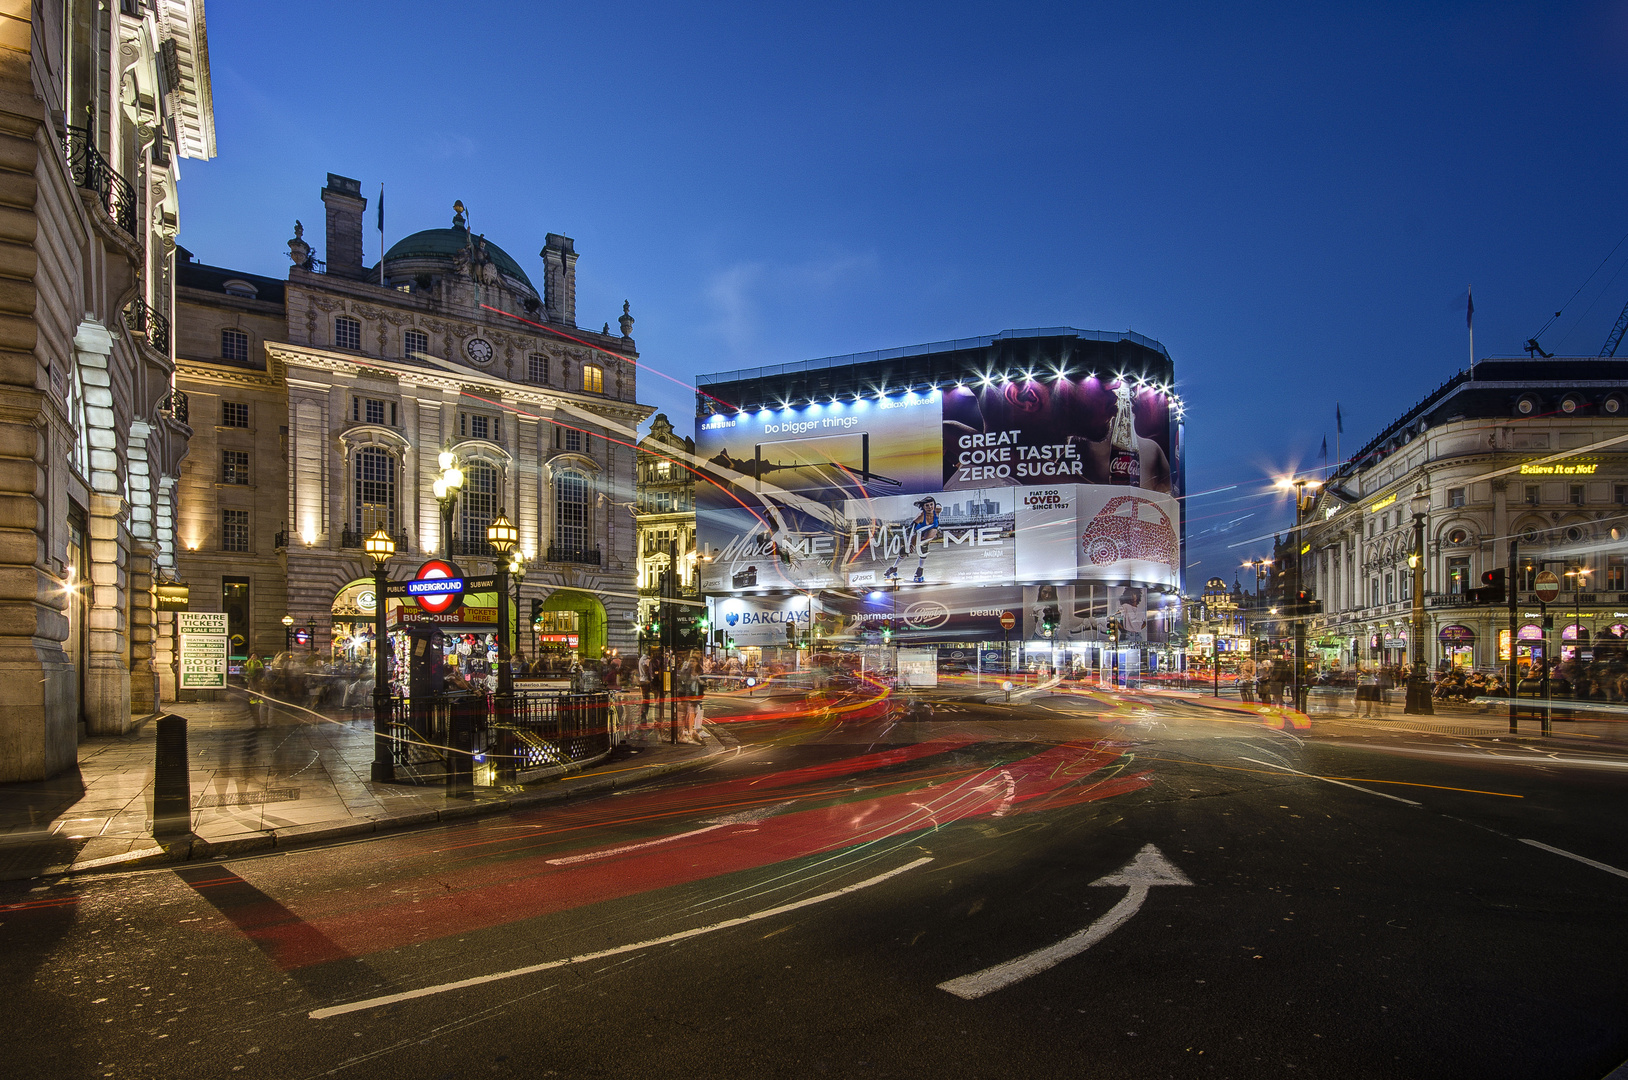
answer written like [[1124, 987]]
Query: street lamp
[[1418, 702], [379, 548], [288, 633], [502, 536], [446, 488], [1577, 574]]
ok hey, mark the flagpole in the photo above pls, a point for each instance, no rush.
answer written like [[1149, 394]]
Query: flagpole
[[1469, 319], [381, 234]]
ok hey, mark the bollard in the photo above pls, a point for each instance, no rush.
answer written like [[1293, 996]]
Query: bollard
[[172, 786]]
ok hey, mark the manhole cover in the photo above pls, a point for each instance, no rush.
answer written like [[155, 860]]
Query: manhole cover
[[247, 798]]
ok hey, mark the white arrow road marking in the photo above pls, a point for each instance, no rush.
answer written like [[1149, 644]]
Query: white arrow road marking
[[1148, 869], [1579, 858], [743, 818], [668, 939], [1326, 780]]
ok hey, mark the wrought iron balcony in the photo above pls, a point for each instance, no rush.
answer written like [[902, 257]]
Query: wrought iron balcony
[[280, 541], [142, 319], [586, 555], [91, 171], [175, 403], [354, 538]]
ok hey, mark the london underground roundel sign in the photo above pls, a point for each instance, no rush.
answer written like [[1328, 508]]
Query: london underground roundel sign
[[438, 586]]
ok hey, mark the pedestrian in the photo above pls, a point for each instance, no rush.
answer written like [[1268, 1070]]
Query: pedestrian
[[1383, 683], [645, 674], [1367, 692]]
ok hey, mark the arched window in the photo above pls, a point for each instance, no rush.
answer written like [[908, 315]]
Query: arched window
[[477, 507], [347, 334], [571, 511], [375, 490]]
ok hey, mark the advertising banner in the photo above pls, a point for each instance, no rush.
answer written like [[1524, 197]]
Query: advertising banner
[[754, 621], [202, 649], [1061, 479]]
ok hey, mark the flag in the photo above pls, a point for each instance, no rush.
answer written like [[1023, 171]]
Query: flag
[[1339, 421], [1325, 448], [381, 209], [1469, 311]]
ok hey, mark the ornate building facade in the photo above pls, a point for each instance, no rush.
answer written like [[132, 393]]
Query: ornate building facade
[[324, 402], [1534, 451], [100, 101], [666, 524]]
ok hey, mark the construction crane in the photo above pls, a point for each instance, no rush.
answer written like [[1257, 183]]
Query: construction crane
[[1617, 331]]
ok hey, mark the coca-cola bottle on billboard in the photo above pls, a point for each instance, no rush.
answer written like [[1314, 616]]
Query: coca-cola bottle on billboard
[[1124, 453]]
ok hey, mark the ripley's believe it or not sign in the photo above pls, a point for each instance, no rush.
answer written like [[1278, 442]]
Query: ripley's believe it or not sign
[[1056, 479]]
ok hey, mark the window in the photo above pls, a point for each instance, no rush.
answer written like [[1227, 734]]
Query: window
[[234, 414], [1390, 588], [375, 490], [477, 507], [234, 345], [573, 440], [593, 379], [1455, 498], [1531, 495], [571, 510], [1622, 493], [1370, 528], [1458, 575], [1457, 537], [234, 466], [347, 334], [664, 470], [1407, 586], [415, 341], [1614, 576], [1574, 494], [661, 502], [479, 426], [239, 287], [234, 530], [372, 410], [537, 368], [1373, 593], [1526, 577]]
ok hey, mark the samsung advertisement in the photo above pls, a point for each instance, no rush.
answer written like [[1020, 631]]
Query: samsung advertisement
[[1070, 481]]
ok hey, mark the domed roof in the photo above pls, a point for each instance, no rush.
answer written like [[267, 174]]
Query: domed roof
[[446, 243]]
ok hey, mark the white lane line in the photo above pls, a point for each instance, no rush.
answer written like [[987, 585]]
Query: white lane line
[[608, 852], [668, 939], [1148, 869], [1579, 858], [1326, 780]]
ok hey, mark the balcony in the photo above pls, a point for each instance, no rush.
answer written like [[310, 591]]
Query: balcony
[[1448, 600], [353, 538], [91, 171], [142, 319], [280, 541], [585, 555], [175, 404]]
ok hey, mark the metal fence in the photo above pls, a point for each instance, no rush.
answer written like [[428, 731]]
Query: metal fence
[[469, 738]]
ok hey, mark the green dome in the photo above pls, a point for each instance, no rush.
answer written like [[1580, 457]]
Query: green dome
[[446, 243]]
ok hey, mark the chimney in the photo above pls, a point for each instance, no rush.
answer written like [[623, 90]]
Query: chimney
[[560, 279], [343, 198]]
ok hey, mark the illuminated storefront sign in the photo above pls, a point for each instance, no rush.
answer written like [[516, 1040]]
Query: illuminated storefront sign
[[1559, 468], [1376, 507]]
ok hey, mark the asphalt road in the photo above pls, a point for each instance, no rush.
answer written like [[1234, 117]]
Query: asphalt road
[[1065, 887]]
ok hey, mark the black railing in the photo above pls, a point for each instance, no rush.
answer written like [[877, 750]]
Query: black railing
[[448, 733], [355, 538], [280, 541], [142, 319], [92, 172], [175, 403], [472, 549], [561, 553]]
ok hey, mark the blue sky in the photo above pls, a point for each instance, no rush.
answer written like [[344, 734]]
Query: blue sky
[[1291, 198]]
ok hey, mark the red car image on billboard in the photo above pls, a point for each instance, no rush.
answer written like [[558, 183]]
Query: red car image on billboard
[[1129, 528]]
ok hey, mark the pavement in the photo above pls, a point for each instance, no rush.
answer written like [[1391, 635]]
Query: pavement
[[293, 777]]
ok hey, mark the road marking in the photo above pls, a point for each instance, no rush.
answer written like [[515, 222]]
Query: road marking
[[1579, 858], [1326, 780], [668, 939], [571, 860], [1148, 869]]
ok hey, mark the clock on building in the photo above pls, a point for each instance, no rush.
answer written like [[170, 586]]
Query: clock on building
[[479, 350]]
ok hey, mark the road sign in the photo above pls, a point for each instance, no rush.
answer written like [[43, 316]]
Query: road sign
[[1007, 620], [1546, 586]]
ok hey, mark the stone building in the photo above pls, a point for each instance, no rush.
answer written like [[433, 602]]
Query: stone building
[[101, 98], [1534, 451], [323, 402], [665, 517]]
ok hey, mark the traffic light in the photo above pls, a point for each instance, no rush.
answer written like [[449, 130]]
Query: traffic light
[[1494, 584], [536, 611], [1305, 605], [887, 629], [1049, 619]]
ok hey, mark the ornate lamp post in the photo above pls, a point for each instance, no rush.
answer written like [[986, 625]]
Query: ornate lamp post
[[517, 570], [288, 633], [1418, 701], [379, 548], [502, 536], [446, 487]]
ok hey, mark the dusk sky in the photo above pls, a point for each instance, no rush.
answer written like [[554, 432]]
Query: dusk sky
[[1293, 200]]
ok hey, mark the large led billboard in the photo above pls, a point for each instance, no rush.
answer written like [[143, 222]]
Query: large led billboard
[[998, 480]]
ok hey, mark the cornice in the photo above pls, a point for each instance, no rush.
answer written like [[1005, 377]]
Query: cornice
[[195, 369]]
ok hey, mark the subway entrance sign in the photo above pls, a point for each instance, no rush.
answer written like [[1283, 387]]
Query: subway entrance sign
[[439, 586]]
